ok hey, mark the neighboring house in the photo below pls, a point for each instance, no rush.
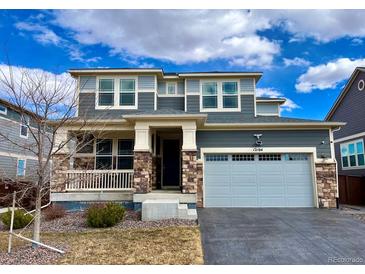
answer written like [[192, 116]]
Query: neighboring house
[[202, 137], [349, 141], [16, 162]]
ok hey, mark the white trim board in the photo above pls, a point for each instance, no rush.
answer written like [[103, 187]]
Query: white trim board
[[350, 137]]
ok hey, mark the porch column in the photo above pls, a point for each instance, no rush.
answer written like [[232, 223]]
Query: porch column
[[326, 184], [60, 161], [189, 159], [142, 163]]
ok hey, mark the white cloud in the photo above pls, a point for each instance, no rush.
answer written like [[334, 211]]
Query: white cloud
[[41, 34], [297, 61], [289, 104], [327, 76], [173, 35], [357, 42]]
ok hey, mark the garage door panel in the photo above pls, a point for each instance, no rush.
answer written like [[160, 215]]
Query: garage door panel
[[276, 180]]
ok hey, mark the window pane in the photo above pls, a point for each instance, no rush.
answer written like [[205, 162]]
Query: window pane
[[352, 160], [229, 88], [106, 99], [106, 85], [170, 88], [209, 101], [24, 130], [351, 149], [127, 85], [85, 144], [125, 147], [345, 162], [210, 88], [359, 147], [103, 162], [104, 147], [125, 162], [360, 159], [230, 101], [344, 151], [126, 99], [21, 168], [2, 109]]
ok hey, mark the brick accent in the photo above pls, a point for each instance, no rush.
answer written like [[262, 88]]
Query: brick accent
[[84, 163], [189, 172], [326, 184], [60, 163], [142, 165], [199, 195]]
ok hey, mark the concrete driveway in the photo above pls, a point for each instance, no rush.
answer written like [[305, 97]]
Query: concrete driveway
[[281, 236]]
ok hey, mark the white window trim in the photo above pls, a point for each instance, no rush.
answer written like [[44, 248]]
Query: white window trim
[[166, 94], [116, 92], [348, 156], [219, 96], [167, 88], [20, 128], [17, 166], [5, 112]]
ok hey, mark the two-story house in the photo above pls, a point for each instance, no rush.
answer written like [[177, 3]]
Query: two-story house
[[17, 161], [349, 141], [204, 138]]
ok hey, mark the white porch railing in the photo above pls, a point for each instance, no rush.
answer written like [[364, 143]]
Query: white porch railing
[[99, 180]]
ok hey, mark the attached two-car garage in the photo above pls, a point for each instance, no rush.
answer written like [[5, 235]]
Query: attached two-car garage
[[258, 180]]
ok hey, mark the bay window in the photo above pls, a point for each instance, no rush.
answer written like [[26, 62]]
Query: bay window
[[352, 154], [106, 92], [127, 92]]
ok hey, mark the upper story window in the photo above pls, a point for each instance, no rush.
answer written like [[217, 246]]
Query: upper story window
[[220, 95], [24, 126], [171, 88], [127, 92], [3, 109], [352, 154], [106, 92]]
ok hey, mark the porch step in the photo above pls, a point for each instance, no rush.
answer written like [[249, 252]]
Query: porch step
[[159, 209]]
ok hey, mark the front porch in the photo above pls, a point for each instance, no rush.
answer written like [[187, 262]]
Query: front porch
[[149, 160]]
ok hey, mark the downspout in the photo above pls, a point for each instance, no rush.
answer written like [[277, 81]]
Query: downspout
[[334, 158]]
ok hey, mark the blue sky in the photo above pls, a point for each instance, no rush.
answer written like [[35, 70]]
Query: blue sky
[[305, 56]]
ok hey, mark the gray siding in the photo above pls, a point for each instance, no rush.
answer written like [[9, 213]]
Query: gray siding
[[280, 138], [192, 86], [266, 108], [170, 103], [247, 110], [146, 82], [351, 172], [87, 109], [161, 87], [146, 100], [87, 83], [180, 88], [8, 168], [247, 85], [351, 110]]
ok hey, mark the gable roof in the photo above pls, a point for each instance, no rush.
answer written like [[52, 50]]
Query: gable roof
[[344, 92], [18, 108]]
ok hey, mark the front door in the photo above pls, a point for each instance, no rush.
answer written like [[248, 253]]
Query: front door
[[171, 164]]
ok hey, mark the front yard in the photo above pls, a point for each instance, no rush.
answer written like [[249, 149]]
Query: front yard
[[130, 242]]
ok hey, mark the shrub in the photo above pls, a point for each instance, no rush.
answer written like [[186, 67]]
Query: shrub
[[20, 219], [104, 215], [54, 212]]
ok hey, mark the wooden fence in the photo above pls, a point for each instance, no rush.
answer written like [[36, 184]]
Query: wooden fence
[[351, 190]]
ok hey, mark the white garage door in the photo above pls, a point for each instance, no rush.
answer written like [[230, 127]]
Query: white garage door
[[261, 180]]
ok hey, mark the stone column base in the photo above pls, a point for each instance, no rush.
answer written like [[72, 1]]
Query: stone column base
[[60, 163], [326, 184], [199, 194], [142, 165], [189, 172]]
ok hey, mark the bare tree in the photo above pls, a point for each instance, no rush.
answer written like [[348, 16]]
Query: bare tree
[[41, 98]]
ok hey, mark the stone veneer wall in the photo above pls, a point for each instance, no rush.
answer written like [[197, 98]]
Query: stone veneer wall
[[60, 163], [189, 172], [84, 163], [326, 184], [199, 195], [142, 165]]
